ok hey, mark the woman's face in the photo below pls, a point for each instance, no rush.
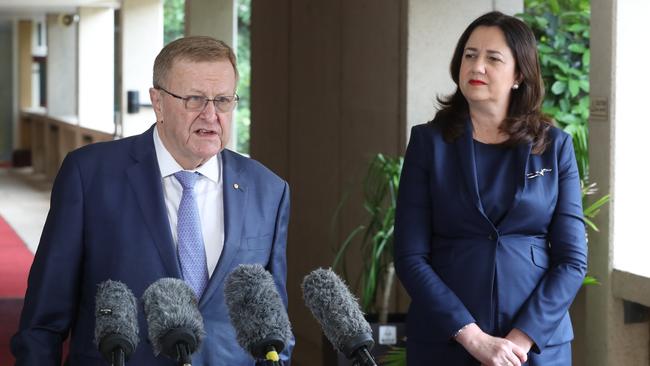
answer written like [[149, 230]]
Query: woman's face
[[487, 69]]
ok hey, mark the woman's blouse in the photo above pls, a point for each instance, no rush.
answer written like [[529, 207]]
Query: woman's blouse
[[495, 163]]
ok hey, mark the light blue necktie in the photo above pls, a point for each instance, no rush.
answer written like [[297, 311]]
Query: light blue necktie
[[191, 251]]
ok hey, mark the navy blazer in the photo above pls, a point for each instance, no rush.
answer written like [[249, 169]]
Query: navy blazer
[[108, 220], [459, 268]]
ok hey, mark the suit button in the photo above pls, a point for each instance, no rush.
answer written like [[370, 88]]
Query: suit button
[[491, 237]]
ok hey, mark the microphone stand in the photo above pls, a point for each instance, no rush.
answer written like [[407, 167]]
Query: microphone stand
[[362, 357], [184, 358], [117, 357]]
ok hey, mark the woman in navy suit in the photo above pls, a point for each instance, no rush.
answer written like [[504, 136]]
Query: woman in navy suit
[[489, 236]]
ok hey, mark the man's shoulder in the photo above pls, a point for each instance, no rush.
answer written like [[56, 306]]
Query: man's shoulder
[[113, 149]]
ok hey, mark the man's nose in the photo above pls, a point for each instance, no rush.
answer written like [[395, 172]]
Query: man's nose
[[209, 111]]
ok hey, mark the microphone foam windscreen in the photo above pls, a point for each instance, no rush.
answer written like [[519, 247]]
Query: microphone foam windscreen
[[335, 308], [115, 312], [255, 308], [170, 303]]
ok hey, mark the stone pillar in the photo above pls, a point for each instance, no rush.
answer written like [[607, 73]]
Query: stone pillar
[[142, 39], [61, 67], [616, 153], [96, 68]]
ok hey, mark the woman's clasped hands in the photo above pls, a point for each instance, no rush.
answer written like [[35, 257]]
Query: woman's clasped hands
[[495, 351]]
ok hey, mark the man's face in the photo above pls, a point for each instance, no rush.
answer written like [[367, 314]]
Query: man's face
[[194, 136]]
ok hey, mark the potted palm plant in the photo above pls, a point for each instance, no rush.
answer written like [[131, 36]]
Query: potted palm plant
[[374, 239]]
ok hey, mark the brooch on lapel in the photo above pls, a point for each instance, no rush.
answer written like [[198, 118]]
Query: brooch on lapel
[[539, 173]]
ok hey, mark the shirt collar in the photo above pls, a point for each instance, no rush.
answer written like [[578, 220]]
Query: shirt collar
[[211, 169]]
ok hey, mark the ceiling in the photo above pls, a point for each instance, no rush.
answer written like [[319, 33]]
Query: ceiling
[[12, 8]]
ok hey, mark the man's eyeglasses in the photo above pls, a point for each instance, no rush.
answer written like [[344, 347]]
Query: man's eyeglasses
[[196, 103]]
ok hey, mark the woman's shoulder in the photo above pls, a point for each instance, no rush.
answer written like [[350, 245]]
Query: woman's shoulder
[[432, 127], [557, 136], [427, 131]]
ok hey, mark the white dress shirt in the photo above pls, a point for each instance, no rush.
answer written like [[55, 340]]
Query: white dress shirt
[[209, 197]]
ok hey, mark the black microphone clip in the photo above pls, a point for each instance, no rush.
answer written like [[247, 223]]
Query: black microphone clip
[[358, 349], [179, 344]]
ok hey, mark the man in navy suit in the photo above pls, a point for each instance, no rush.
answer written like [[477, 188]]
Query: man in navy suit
[[115, 215]]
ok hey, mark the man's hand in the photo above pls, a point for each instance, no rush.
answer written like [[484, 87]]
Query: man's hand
[[489, 350]]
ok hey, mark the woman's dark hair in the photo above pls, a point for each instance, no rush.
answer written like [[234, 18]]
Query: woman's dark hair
[[524, 121]]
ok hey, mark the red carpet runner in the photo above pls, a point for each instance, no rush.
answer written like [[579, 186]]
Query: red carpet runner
[[15, 260]]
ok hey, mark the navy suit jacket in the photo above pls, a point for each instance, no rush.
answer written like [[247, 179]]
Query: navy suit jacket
[[108, 220], [459, 268]]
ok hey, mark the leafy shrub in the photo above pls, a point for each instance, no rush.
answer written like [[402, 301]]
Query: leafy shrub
[[562, 31]]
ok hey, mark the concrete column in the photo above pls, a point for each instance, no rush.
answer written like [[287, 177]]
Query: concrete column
[[142, 39], [433, 30], [616, 146], [214, 18], [600, 307], [61, 67], [96, 68]]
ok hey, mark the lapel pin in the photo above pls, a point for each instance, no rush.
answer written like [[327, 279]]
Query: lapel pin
[[539, 173], [236, 186]]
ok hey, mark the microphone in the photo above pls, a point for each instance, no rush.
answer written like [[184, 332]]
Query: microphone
[[116, 324], [257, 312], [175, 323], [338, 312]]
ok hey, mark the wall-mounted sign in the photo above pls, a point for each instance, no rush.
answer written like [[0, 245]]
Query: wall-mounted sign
[[599, 108]]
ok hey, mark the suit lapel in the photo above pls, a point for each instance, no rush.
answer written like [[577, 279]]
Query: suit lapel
[[467, 162], [523, 154], [465, 149], [144, 178], [235, 192]]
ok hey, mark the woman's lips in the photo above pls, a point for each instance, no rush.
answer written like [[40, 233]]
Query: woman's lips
[[477, 82]]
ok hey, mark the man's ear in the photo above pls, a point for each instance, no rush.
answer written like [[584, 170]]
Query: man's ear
[[156, 103]]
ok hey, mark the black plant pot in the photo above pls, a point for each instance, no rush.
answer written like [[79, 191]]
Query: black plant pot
[[392, 334]]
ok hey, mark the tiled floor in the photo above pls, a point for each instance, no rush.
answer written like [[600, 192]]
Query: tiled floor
[[24, 202]]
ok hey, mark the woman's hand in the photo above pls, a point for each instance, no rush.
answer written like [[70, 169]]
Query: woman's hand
[[520, 338], [489, 350]]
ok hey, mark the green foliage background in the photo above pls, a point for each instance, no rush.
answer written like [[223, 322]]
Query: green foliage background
[[243, 114], [174, 20], [562, 31]]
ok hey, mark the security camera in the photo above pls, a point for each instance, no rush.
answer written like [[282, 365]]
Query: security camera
[[68, 19]]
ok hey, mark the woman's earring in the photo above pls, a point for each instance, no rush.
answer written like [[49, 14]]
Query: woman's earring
[[515, 87]]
